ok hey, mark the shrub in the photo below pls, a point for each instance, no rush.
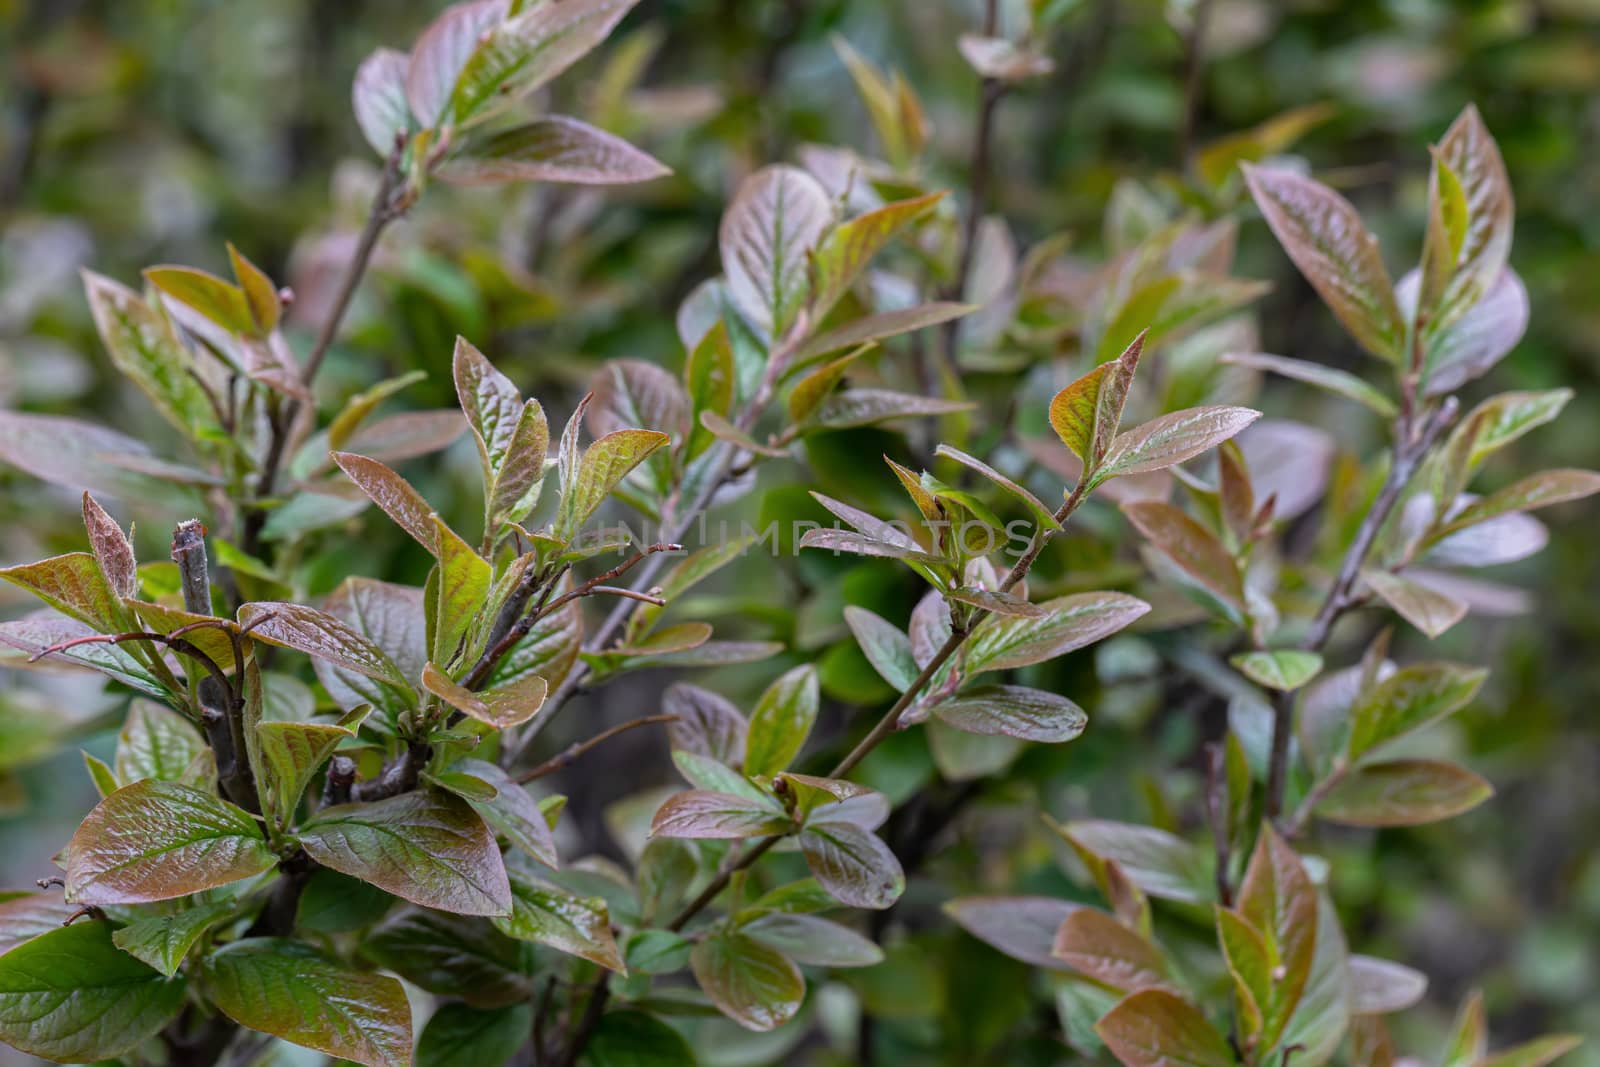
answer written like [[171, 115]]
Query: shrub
[[315, 797]]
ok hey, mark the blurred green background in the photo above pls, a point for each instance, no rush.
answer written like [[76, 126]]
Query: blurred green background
[[138, 133]]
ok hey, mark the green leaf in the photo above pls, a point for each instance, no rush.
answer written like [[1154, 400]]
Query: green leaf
[[1170, 439], [396, 496], [1244, 949], [852, 864], [460, 1036], [1325, 237], [1086, 414], [1408, 700], [1406, 792], [703, 772], [1330, 379], [144, 349], [163, 941], [756, 986], [1277, 901], [1070, 622], [1468, 152], [579, 926], [1282, 669], [287, 989], [74, 585], [156, 840], [320, 635], [782, 721], [291, 755], [867, 407], [1096, 945], [604, 464], [525, 52], [1155, 1028], [703, 813], [356, 410], [1013, 711], [711, 378], [72, 996], [425, 846], [1160, 863], [878, 326], [1428, 610], [813, 941], [1537, 1053], [221, 302], [440, 53], [513, 813], [1045, 516], [885, 645], [1541, 490], [378, 97], [777, 218], [500, 708], [453, 955], [630, 1038], [156, 743], [707, 724], [1203, 559], [850, 246], [553, 148], [464, 579]]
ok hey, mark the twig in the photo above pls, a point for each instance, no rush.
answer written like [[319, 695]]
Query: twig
[[592, 1012], [569, 755], [1193, 78]]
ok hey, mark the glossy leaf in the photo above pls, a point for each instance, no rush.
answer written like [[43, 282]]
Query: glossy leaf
[[162, 941], [604, 464], [145, 350], [441, 52], [1155, 1028], [1069, 623], [500, 708], [707, 724], [1095, 944], [320, 635], [702, 813], [814, 941], [782, 721], [378, 96], [1408, 700], [1170, 439], [579, 926], [754, 985], [72, 584], [513, 813], [457, 1035], [1013, 711], [885, 645], [849, 247], [1406, 792], [1278, 902], [1023, 928], [853, 865], [1199, 555], [1282, 669], [1087, 413], [878, 326], [1329, 379], [156, 743], [1160, 863], [293, 752], [454, 955], [1469, 151], [867, 407]]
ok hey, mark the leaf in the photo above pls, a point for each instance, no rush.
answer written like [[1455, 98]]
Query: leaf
[[813, 941], [1322, 1017], [878, 326], [320, 635], [711, 378], [407, 434], [1170, 439], [579, 926], [453, 955], [867, 407], [782, 721], [162, 941], [1276, 899], [156, 742], [853, 865], [1325, 237], [885, 645], [1244, 950], [513, 813], [707, 724], [1408, 700], [457, 1035], [527, 51], [287, 989], [1023, 928], [74, 586], [1013, 711], [756, 986], [1330, 379], [1537, 1053], [157, 840], [702, 813], [1406, 792], [44, 629], [219, 301], [1001, 59], [389, 617], [1086, 414], [25, 916], [424, 846], [1203, 559], [1155, 1028], [440, 53], [1378, 987], [553, 148], [462, 586], [723, 430], [144, 350], [499, 708], [291, 755], [72, 996], [111, 549], [81, 455], [378, 97], [1541, 490], [1160, 863], [1282, 669], [1428, 610], [360, 406], [1471, 346], [1469, 152], [396, 496], [1096, 945], [1070, 622], [767, 234], [604, 464], [629, 1038], [850, 246], [1045, 516]]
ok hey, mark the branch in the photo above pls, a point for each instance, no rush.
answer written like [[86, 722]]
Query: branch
[[1193, 83], [569, 755]]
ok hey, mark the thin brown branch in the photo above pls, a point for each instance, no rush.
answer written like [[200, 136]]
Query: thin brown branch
[[573, 752]]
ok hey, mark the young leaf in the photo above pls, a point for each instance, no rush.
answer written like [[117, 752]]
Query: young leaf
[[604, 464], [1199, 555], [1325, 237], [1408, 700], [1277, 901], [425, 846], [156, 742], [321, 636], [853, 865], [766, 237], [1160, 863], [462, 586], [866, 407], [751, 983], [707, 724], [781, 721], [1086, 414], [1034, 504], [394, 495], [1095, 944], [553, 148], [700, 813], [579, 926], [111, 549], [1013, 711], [878, 326], [850, 246], [74, 586], [72, 996], [1542, 490], [500, 708], [157, 840], [441, 51], [1282, 669], [287, 989], [378, 96], [1070, 622], [1406, 792], [1471, 346], [1331, 379], [1155, 1028], [144, 349], [1428, 610], [293, 752], [1472, 158], [885, 645], [1170, 439], [162, 941]]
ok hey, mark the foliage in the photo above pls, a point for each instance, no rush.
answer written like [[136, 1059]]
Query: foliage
[[325, 808]]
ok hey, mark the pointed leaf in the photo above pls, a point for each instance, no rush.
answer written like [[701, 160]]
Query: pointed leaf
[[554, 148], [1408, 700], [754, 985], [162, 941], [604, 464], [579, 926], [1160, 863], [292, 753], [1428, 610], [394, 495], [1095, 944], [700, 813], [1171, 439], [1070, 622], [850, 246], [782, 721], [1086, 414], [766, 237], [320, 635], [878, 326], [513, 813], [144, 349], [1155, 1028], [1330, 379], [1283, 669], [1013, 711], [111, 549], [1403, 793], [500, 708], [885, 645], [74, 585], [853, 865], [1198, 554], [707, 724]]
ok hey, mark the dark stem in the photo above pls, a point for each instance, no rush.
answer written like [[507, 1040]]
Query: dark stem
[[587, 1023], [1217, 815], [570, 755], [1193, 78]]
